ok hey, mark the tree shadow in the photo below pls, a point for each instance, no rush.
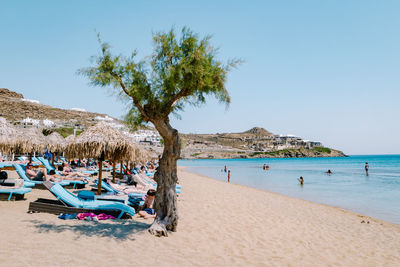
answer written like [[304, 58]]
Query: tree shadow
[[120, 230]]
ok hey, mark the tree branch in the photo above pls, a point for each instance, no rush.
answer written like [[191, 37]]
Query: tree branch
[[135, 102], [176, 97]]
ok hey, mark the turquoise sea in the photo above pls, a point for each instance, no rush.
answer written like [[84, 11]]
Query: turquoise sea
[[376, 195]]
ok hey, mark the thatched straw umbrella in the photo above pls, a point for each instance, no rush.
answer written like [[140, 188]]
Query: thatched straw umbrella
[[30, 140], [140, 154], [103, 142], [8, 137], [69, 139], [55, 143]]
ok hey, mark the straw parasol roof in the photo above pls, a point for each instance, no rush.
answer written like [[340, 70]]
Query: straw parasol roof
[[69, 139], [140, 154], [8, 134], [98, 139], [30, 140], [55, 142]]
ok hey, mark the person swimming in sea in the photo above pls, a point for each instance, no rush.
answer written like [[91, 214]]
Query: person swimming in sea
[[329, 172], [301, 180]]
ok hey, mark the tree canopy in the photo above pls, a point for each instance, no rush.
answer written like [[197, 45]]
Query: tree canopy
[[181, 70]]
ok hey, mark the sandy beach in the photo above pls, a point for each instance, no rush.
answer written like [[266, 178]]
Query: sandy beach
[[220, 224]]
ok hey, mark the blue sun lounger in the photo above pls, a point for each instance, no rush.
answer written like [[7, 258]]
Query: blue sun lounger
[[73, 201], [21, 172], [49, 168], [106, 187], [178, 187], [5, 165], [18, 193]]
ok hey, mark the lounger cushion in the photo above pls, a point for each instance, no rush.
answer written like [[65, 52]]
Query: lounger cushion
[[86, 195]]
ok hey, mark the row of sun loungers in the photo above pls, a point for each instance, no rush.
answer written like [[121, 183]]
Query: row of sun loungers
[[115, 202]]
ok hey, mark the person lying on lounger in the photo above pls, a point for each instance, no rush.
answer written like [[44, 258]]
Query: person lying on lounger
[[69, 173], [127, 189], [57, 178], [147, 211], [39, 175]]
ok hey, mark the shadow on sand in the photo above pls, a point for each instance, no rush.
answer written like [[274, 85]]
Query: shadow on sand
[[120, 230]]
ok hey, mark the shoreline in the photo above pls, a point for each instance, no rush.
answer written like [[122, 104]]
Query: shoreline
[[183, 169]]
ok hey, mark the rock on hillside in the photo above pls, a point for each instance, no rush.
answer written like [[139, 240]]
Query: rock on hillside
[[15, 108], [4, 92], [258, 131]]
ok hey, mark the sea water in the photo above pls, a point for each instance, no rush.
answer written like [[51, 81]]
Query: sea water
[[348, 187]]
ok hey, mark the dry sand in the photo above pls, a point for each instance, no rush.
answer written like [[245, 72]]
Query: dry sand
[[220, 225]]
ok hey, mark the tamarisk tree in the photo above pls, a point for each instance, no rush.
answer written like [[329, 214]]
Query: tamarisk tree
[[181, 70]]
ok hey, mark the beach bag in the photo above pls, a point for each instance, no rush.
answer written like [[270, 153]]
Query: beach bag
[[3, 176]]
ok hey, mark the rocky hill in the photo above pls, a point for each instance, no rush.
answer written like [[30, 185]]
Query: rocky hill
[[254, 143], [14, 107]]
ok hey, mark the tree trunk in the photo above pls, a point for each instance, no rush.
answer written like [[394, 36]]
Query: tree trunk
[[166, 177]]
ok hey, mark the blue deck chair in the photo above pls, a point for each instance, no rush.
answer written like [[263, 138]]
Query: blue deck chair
[[6, 165], [48, 166], [17, 192], [73, 201], [109, 189], [21, 172]]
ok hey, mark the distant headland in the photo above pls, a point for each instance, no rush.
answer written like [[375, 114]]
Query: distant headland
[[254, 143]]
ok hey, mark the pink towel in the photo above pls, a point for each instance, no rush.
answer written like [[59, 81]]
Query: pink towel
[[102, 216]]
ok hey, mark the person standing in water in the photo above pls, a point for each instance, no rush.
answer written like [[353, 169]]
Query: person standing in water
[[225, 168], [301, 180], [229, 176], [366, 168]]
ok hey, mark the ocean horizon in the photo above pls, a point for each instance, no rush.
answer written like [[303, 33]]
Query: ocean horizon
[[376, 195]]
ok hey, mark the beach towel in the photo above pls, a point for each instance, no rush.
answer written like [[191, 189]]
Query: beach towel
[[101, 216]]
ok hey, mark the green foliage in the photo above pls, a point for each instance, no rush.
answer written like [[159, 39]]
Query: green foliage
[[64, 131], [291, 151], [182, 69], [47, 132], [322, 149]]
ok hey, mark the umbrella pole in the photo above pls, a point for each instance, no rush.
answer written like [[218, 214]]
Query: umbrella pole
[[52, 158], [100, 175], [120, 165], [30, 157], [114, 172]]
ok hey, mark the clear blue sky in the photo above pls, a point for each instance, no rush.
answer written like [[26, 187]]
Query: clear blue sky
[[324, 70]]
